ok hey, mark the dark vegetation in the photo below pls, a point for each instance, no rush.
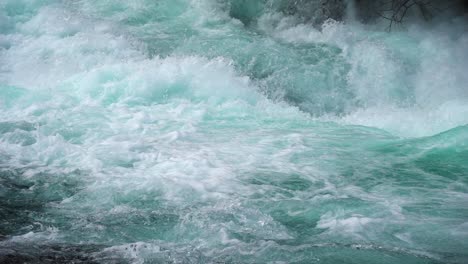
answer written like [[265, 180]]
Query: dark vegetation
[[398, 11]]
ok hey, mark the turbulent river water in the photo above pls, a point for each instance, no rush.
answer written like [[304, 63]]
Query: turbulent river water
[[209, 131]]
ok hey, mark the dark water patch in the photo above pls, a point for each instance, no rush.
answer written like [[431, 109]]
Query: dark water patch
[[449, 163], [48, 254], [444, 154], [23, 201], [12, 126], [302, 224], [16, 206], [305, 11], [289, 182], [246, 11]]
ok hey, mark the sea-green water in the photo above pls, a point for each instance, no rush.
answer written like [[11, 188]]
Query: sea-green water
[[210, 131]]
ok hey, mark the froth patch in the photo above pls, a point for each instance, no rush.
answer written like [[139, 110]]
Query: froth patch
[[161, 81], [56, 44], [354, 225]]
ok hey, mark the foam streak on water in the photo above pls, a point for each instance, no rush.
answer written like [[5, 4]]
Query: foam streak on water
[[182, 132]]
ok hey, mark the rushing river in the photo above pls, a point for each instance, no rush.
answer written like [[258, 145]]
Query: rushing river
[[209, 131]]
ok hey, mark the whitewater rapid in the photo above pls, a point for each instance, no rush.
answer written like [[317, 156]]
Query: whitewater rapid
[[172, 131]]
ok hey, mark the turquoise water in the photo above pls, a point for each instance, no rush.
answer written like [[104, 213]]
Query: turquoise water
[[209, 131]]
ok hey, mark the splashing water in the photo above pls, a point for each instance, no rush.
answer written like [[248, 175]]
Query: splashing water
[[200, 131]]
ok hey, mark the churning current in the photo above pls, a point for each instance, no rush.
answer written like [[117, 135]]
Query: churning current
[[211, 131]]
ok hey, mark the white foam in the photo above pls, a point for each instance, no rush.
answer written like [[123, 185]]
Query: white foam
[[350, 226], [411, 83]]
